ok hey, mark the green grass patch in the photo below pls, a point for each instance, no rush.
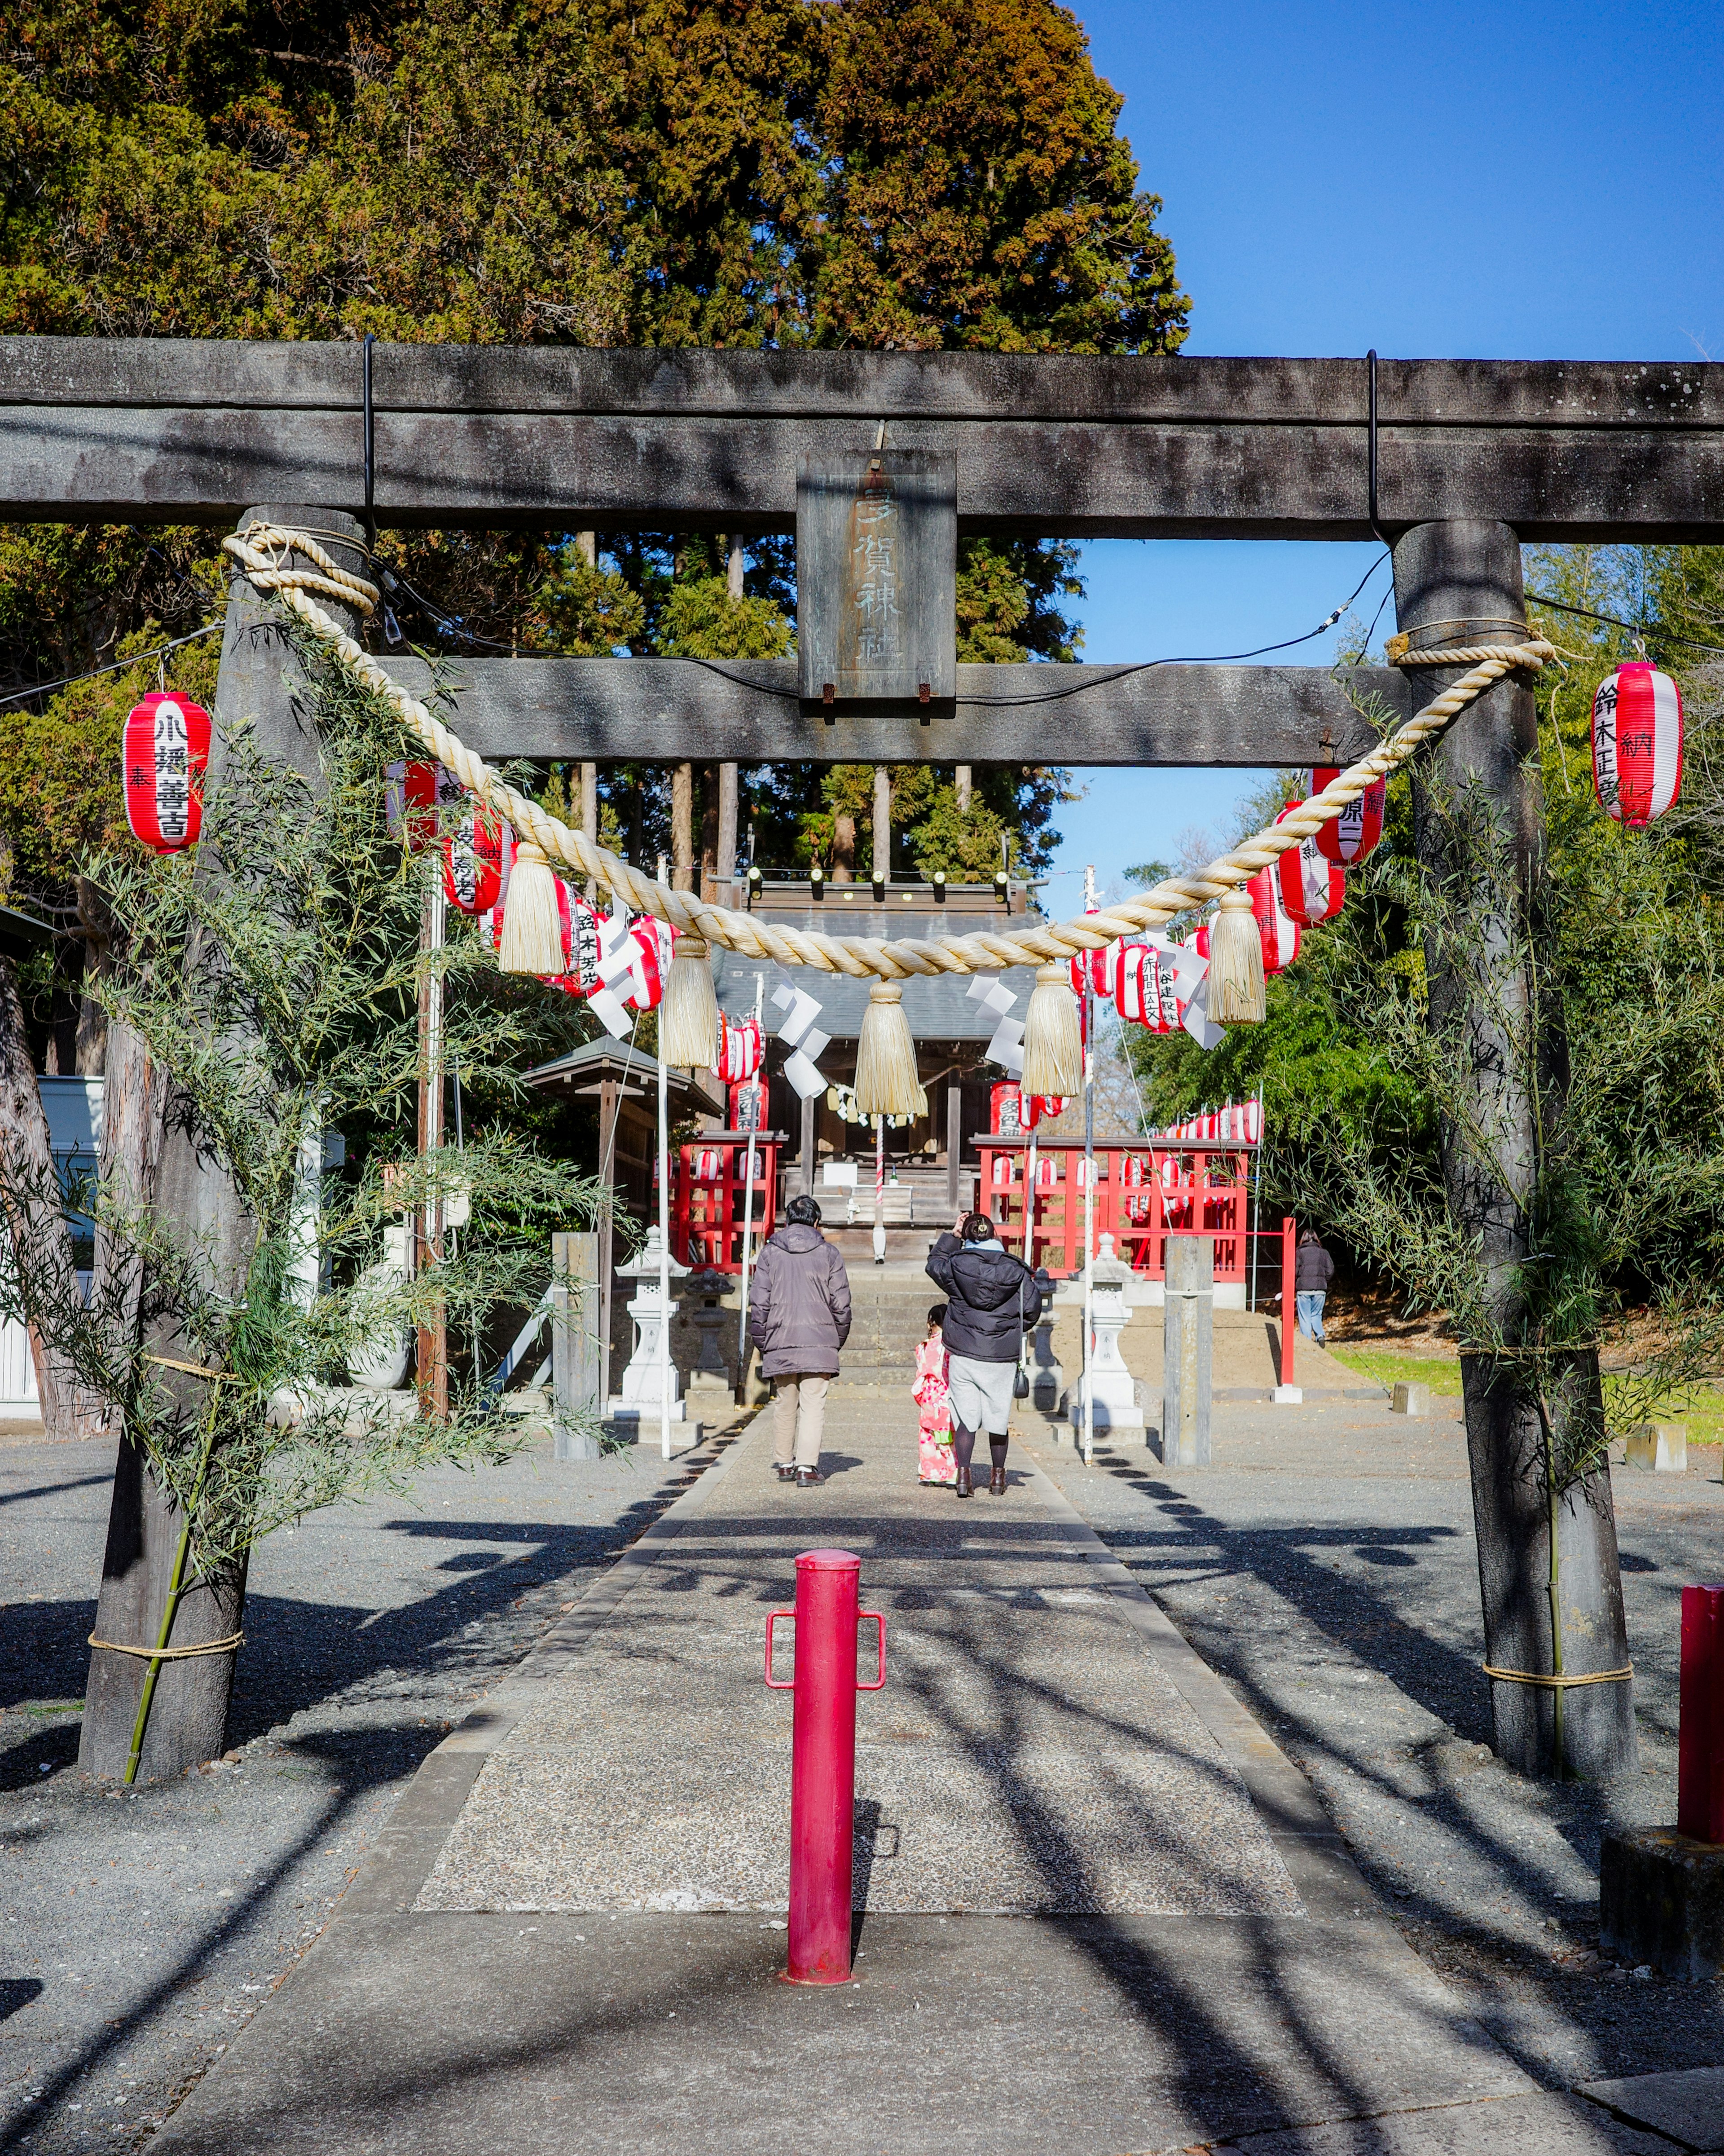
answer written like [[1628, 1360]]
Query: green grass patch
[[1387, 1366], [1702, 1410]]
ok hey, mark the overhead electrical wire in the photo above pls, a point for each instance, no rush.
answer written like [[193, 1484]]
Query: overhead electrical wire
[[113, 666]]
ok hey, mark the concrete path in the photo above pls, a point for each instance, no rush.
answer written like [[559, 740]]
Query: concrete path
[[1098, 1910]]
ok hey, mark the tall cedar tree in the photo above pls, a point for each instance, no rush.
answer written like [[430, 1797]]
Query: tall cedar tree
[[685, 171]]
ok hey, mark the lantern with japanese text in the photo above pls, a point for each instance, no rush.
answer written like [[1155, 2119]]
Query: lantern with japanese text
[[1143, 990], [1311, 885], [473, 862], [1352, 835], [413, 795], [1637, 743], [164, 757], [1275, 925]]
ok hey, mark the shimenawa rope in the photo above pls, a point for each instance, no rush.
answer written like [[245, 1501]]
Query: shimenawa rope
[[264, 552], [1558, 1684], [170, 1654]]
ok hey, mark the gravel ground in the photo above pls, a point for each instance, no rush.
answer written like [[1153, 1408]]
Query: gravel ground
[[1325, 1565], [142, 1929]]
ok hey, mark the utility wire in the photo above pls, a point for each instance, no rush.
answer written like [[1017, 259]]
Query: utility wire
[[1645, 628], [113, 666]]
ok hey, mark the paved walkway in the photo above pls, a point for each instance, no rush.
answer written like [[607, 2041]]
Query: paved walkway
[[1100, 1910]]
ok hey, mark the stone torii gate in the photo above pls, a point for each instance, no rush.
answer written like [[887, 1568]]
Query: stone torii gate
[[1462, 462]]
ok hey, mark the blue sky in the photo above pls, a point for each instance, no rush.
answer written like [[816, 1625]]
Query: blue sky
[[1492, 181]]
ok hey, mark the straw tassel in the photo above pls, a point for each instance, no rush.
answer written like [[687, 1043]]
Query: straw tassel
[[689, 1016], [886, 1083], [1053, 1040], [533, 923], [1236, 990]]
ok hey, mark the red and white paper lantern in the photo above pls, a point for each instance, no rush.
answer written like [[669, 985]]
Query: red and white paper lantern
[[414, 795], [741, 1047], [1311, 885], [1277, 927], [650, 963], [473, 862], [165, 756], [1352, 835], [1143, 990], [1637, 743]]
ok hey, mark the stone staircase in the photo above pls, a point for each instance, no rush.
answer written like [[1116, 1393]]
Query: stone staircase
[[889, 1305]]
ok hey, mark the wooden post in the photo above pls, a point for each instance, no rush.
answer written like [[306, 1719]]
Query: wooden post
[[734, 568], [1469, 571], [963, 782], [1187, 1321], [188, 1717], [954, 1142], [883, 821], [725, 873], [808, 1144], [577, 1364], [682, 826], [432, 1360], [589, 801], [610, 1095]]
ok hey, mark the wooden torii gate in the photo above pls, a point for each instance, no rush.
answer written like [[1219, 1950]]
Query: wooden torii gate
[[1465, 460]]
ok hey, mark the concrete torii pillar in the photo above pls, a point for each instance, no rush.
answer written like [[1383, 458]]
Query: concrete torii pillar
[[156, 1161], [1460, 583]]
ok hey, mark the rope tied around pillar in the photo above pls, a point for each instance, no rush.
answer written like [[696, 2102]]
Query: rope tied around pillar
[[263, 550]]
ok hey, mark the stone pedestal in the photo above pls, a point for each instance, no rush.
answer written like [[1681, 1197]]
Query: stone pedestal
[[635, 1411], [1188, 1317], [1661, 1447], [1113, 1390], [711, 1320], [1661, 1900], [1410, 1400]]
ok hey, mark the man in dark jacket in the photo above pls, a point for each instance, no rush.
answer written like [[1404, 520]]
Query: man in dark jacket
[[992, 1300], [1313, 1269], [799, 1317]]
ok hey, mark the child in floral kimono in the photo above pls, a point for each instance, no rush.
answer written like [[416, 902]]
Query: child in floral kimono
[[931, 1395]]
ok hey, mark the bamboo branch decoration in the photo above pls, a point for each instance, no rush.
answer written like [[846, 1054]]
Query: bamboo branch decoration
[[264, 552]]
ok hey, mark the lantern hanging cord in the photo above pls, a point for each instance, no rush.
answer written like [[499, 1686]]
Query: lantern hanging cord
[[265, 552], [113, 666], [1650, 630]]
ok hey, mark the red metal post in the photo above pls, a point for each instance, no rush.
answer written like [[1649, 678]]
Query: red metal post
[[1289, 1323], [823, 1759], [1700, 1768]]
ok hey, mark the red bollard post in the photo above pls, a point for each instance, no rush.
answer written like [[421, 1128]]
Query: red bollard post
[[1700, 1767], [1289, 1302], [823, 1758]]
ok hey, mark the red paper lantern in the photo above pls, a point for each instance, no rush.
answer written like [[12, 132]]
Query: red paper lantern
[[415, 794], [1143, 990], [1352, 835], [473, 862], [165, 757], [1637, 743], [649, 964], [1095, 967], [740, 1048], [1311, 885], [1276, 927]]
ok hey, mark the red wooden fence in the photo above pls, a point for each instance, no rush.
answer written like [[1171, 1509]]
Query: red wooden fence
[[1143, 1192], [707, 1199]]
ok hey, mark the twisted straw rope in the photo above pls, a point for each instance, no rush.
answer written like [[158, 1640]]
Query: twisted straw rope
[[263, 551]]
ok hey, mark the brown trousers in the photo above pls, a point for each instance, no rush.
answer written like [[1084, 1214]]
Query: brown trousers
[[799, 1420]]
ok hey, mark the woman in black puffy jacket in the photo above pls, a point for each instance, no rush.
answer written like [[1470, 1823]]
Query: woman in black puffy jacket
[[991, 1299]]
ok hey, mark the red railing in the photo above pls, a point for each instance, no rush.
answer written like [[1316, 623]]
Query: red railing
[[1143, 1194], [708, 1199]]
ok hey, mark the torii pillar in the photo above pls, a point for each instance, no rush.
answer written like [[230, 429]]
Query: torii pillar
[[1460, 583]]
